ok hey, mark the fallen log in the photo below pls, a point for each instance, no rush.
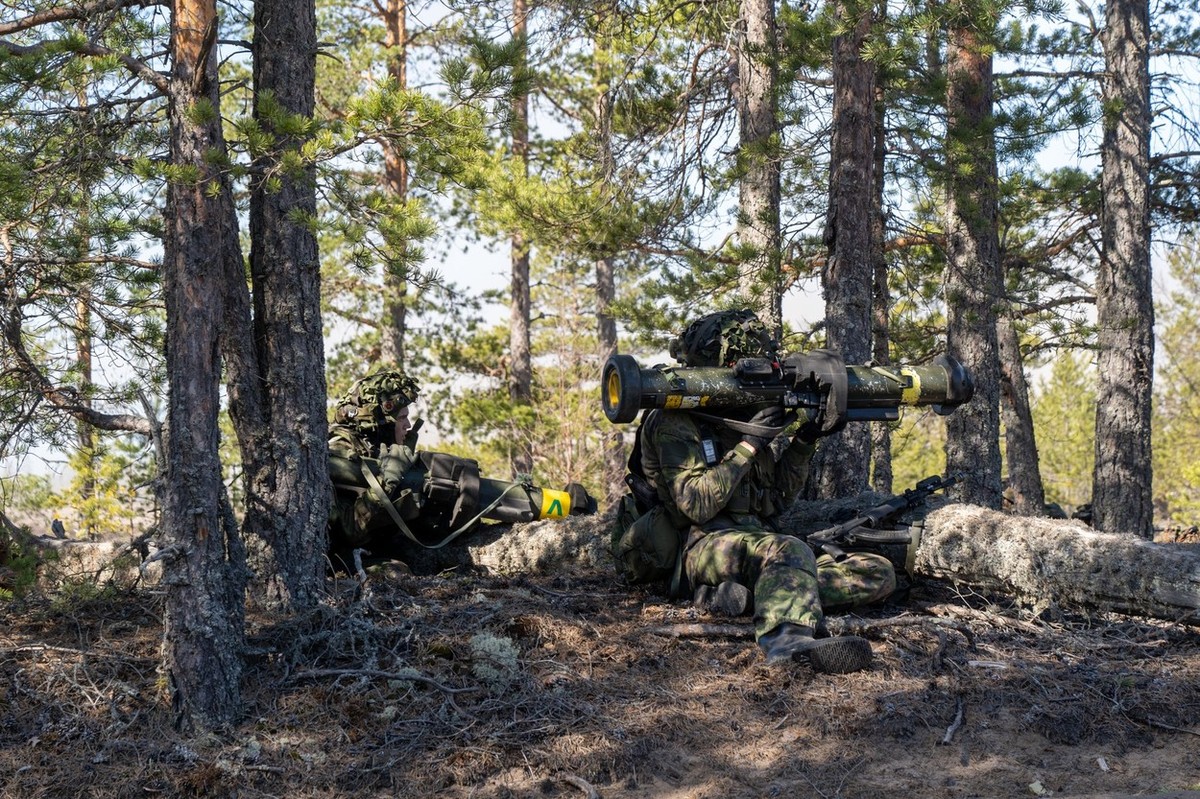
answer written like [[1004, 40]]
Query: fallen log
[[1053, 563], [1044, 563]]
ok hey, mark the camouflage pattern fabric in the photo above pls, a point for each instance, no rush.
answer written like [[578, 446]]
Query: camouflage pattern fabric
[[728, 502], [722, 338], [366, 415], [364, 424]]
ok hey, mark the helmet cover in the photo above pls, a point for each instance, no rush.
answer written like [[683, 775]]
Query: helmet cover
[[372, 402], [723, 338]]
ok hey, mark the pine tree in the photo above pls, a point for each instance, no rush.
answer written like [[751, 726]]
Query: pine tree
[[1064, 409], [1176, 399]]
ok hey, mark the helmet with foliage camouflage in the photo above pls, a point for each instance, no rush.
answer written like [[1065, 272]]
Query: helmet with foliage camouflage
[[722, 338], [371, 403]]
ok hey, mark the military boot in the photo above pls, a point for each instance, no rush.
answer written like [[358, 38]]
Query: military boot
[[727, 599], [837, 655]]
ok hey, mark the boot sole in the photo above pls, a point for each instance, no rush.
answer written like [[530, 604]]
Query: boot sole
[[840, 655]]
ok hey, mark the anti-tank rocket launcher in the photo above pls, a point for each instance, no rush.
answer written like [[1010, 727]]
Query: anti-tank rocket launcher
[[817, 385]]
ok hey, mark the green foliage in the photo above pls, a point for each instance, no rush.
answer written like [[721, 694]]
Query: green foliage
[[918, 448], [1064, 421], [102, 495], [1176, 395], [24, 567], [564, 426]]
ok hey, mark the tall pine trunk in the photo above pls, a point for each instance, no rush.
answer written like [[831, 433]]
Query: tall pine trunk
[[205, 573], [1024, 475], [520, 377], [881, 298], [973, 278], [85, 433], [395, 175], [1121, 493], [759, 284], [848, 277], [606, 288], [278, 387]]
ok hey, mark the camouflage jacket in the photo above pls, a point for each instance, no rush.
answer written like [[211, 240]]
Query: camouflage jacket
[[705, 476], [358, 514]]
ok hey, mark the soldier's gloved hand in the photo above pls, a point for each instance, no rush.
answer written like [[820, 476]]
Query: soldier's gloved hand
[[813, 428], [770, 417], [582, 503], [410, 438], [394, 461]]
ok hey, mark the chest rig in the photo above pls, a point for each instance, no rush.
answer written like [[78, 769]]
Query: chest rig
[[755, 494]]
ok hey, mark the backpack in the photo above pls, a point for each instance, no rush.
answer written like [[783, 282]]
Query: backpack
[[645, 543]]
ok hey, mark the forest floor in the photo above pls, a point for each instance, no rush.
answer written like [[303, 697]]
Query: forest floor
[[569, 685]]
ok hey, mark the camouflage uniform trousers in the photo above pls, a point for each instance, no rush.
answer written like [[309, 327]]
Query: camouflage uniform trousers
[[788, 582]]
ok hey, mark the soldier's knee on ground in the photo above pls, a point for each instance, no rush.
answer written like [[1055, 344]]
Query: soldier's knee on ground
[[727, 599]]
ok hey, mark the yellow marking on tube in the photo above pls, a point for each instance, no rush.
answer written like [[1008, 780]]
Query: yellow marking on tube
[[910, 395], [673, 401], [555, 504]]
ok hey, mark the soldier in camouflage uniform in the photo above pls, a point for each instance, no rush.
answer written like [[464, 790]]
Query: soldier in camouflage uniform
[[726, 489], [372, 421], [394, 500]]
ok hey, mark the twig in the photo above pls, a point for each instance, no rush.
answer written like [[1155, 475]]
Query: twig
[[566, 595], [995, 619], [953, 728], [390, 675], [702, 630], [581, 784], [1160, 724], [384, 675], [167, 553], [363, 590], [864, 625]]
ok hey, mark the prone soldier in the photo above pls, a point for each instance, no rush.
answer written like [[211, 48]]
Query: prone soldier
[[390, 498]]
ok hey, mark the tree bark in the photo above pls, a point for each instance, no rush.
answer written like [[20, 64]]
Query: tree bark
[[1053, 564], [606, 286], [520, 376], [973, 277], [881, 298], [1024, 476], [848, 277], [279, 386], [395, 175], [85, 433], [759, 283], [1121, 494], [204, 627]]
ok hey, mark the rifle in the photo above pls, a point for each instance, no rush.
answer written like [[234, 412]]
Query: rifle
[[866, 530]]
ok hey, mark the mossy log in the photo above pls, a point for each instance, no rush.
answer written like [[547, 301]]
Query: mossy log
[[1052, 563]]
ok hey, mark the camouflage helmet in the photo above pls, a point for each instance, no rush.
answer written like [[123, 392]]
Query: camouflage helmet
[[722, 338], [372, 402]]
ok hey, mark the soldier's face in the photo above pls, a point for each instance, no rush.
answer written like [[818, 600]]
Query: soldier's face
[[403, 424]]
